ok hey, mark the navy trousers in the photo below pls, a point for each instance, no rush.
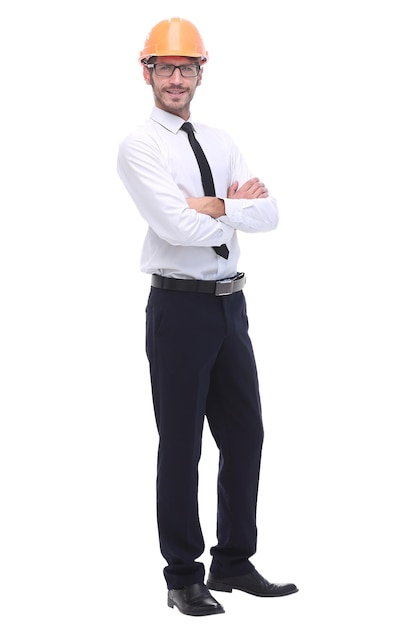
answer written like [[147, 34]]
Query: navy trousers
[[202, 365]]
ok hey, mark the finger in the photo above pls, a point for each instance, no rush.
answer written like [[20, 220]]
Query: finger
[[258, 188]]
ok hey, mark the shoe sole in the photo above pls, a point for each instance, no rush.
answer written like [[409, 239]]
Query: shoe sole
[[229, 588]]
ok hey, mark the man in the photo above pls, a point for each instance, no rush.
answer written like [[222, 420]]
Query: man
[[200, 355]]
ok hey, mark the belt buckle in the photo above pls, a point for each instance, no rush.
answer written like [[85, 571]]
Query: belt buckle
[[224, 287]]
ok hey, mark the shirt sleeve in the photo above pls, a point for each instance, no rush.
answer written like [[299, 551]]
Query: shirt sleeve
[[251, 216], [248, 215], [143, 168]]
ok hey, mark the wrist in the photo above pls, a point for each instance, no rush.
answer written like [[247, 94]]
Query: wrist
[[220, 208]]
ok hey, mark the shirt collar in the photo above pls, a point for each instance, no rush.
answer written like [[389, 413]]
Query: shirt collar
[[168, 120]]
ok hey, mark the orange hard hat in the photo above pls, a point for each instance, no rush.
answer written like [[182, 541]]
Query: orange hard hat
[[174, 37]]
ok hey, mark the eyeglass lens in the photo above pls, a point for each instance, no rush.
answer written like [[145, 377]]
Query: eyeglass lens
[[163, 69]]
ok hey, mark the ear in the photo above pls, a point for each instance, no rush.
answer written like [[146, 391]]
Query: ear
[[146, 75], [199, 77]]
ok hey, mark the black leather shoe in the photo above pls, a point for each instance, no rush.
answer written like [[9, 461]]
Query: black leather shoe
[[252, 583], [194, 600]]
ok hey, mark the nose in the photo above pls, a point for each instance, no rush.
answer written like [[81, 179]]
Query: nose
[[176, 77]]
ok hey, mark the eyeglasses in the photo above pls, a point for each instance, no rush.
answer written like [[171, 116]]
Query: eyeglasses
[[166, 69]]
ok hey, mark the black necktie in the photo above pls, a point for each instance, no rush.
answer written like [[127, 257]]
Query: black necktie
[[206, 175]]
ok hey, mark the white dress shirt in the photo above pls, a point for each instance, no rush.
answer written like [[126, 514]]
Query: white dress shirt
[[159, 169]]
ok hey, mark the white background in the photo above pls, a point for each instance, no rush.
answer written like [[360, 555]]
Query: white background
[[317, 95]]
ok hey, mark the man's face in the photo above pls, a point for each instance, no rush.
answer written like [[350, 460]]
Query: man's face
[[174, 93]]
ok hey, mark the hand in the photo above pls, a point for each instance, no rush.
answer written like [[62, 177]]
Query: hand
[[208, 205], [251, 189]]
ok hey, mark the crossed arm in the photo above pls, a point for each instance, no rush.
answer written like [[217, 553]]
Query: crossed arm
[[215, 207]]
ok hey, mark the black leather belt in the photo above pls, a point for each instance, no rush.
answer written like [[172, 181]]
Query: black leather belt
[[214, 287]]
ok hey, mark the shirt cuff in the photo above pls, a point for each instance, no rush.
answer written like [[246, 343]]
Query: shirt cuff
[[234, 210]]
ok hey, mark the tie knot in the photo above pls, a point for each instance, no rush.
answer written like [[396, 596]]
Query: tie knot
[[187, 127]]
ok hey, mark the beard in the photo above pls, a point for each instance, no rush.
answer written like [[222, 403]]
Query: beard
[[173, 99]]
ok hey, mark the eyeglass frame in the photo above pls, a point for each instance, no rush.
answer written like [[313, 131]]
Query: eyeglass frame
[[179, 67]]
